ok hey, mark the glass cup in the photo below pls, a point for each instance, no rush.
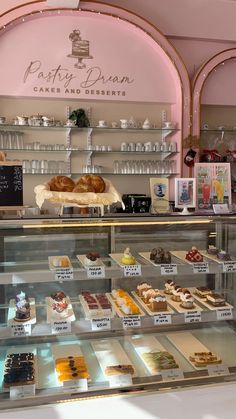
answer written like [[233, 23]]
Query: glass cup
[[44, 166]]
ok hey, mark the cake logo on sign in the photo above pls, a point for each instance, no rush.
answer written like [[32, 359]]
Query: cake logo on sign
[[80, 49]]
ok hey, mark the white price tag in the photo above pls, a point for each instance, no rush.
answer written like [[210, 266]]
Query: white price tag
[[63, 274], [122, 380], [172, 374], [229, 267], [21, 392], [200, 268], [81, 384], [132, 270], [170, 269], [103, 323], [18, 330], [224, 314], [220, 208], [131, 321], [61, 326], [192, 317], [160, 319], [96, 272], [217, 369]]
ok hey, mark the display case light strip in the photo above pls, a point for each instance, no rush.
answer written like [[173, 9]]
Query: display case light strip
[[117, 224]]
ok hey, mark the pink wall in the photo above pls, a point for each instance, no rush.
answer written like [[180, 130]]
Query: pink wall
[[123, 62]]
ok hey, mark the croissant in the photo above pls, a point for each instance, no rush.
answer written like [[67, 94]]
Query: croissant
[[61, 184], [90, 183]]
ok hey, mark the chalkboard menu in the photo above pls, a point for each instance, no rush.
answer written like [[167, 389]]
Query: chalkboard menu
[[11, 184]]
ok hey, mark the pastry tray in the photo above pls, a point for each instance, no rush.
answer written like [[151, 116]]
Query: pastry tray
[[176, 305], [53, 268], [53, 316], [146, 256], [118, 310], [147, 309], [180, 254], [20, 350], [206, 304], [63, 351], [81, 260], [146, 344], [12, 312], [100, 312], [187, 344], [110, 352], [214, 258], [117, 258]]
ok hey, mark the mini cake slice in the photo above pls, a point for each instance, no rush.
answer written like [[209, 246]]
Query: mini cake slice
[[158, 303], [215, 299], [194, 255], [202, 292]]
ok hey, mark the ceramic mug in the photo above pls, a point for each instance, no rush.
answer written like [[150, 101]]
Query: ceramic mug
[[102, 124], [167, 124]]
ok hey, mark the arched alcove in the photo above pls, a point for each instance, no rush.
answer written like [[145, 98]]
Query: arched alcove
[[129, 63]]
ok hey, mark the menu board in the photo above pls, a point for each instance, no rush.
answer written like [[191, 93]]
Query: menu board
[[11, 184]]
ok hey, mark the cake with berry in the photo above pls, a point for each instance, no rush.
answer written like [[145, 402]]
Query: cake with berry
[[194, 255], [22, 307]]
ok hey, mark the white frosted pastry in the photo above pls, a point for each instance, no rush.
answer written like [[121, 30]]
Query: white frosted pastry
[[169, 286], [115, 294], [120, 301], [125, 309]]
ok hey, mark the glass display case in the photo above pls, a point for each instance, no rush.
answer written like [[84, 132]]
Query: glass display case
[[97, 306]]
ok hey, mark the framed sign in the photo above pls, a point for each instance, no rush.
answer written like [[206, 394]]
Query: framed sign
[[11, 184], [185, 193], [213, 185], [159, 194]]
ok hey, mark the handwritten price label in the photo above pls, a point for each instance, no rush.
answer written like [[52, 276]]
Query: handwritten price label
[[229, 267], [122, 380], [81, 384], [160, 319], [132, 270], [61, 327], [172, 374], [224, 314], [217, 369], [131, 321], [96, 272], [18, 330], [192, 317], [64, 274], [103, 323], [200, 268], [170, 269], [22, 392]]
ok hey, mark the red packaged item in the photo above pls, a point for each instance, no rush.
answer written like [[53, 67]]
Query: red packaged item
[[210, 155]]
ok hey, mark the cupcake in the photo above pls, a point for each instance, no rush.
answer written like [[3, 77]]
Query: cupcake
[[186, 299], [176, 293], [169, 286]]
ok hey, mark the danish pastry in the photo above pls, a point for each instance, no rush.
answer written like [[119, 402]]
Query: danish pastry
[[61, 184]]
